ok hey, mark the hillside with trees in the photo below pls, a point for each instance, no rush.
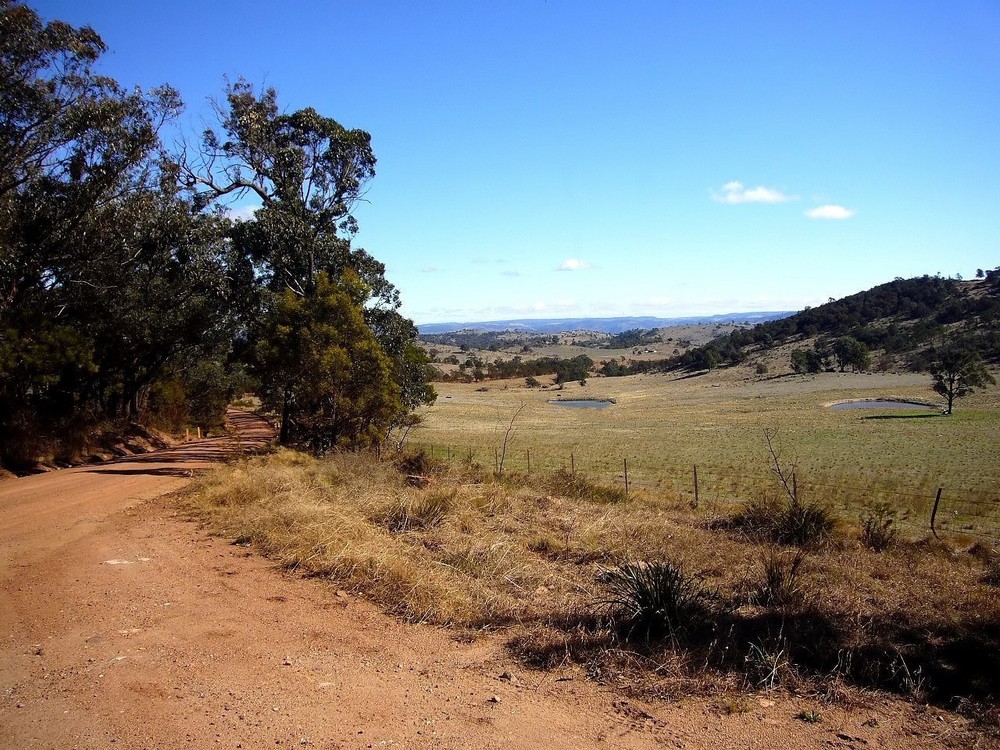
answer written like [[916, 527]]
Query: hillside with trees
[[905, 323], [127, 294]]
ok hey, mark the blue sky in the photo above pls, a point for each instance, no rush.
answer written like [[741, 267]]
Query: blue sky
[[556, 159]]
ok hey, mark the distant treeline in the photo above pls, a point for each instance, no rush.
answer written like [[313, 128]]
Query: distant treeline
[[476, 369], [492, 341], [904, 318]]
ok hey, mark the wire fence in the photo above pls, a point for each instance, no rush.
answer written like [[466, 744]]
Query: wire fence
[[918, 510]]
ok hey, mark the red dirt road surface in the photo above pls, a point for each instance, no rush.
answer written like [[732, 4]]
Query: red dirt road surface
[[124, 625]]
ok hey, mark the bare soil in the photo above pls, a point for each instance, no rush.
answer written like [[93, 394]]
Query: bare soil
[[124, 625]]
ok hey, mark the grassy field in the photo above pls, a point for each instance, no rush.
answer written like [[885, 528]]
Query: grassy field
[[664, 426]]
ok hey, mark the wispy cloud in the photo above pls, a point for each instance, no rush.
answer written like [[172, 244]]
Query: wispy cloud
[[537, 307], [830, 211], [737, 192], [574, 264], [510, 273], [429, 269]]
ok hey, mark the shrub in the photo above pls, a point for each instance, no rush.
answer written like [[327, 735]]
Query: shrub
[[655, 599], [797, 522], [805, 524], [878, 530], [416, 462]]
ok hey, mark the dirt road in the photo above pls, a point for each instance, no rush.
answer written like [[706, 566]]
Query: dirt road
[[123, 625]]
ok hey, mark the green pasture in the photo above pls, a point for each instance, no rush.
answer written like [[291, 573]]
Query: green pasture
[[665, 426]]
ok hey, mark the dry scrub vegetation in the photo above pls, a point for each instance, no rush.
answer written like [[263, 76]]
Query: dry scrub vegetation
[[642, 592]]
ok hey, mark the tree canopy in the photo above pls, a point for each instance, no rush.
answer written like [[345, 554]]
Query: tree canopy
[[957, 372], [126, 293]]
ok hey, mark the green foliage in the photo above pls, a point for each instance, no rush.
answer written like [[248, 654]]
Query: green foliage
[[957, 372], [656, 599], [121, 297], [901, 317], [851, 353], [321, 368], [633, 338]]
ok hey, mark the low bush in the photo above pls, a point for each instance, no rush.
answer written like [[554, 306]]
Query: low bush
[[421, 512], [796, 522], [656, 599]]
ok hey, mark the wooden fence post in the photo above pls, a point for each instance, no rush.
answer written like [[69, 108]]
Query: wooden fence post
[[527, 453], [937, 500], [572, 465], [696, 485]]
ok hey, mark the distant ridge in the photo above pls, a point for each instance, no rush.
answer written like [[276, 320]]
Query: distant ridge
[[602, 325]]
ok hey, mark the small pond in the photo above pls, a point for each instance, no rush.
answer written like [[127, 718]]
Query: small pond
[[582, 403], [876, 404]]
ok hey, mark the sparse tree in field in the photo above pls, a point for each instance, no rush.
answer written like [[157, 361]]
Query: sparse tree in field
[[958, 372], [808, 360], [851, 353]]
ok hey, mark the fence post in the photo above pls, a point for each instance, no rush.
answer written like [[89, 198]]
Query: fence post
[[696, 485], [625, 461], [795, 487], [527, 453], [937, 499], [572, 465]]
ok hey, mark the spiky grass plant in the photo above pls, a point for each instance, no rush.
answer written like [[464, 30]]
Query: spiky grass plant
[[652, 600]]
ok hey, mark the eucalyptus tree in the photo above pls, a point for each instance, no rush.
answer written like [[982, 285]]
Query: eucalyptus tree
[[106, 275], [957, 372], [308, 172]]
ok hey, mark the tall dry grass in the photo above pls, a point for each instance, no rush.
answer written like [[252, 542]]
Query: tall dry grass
[[531, 558]]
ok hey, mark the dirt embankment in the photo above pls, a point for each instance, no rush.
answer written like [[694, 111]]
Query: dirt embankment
[[126, 626]]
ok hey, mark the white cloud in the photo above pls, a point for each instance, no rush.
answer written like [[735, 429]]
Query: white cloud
[[429, 269], [737, 192], [830, 211], [574, 264], [509, 273]]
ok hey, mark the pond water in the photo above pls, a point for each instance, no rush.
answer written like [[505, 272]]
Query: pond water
[[881, 405], [582, 404]]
